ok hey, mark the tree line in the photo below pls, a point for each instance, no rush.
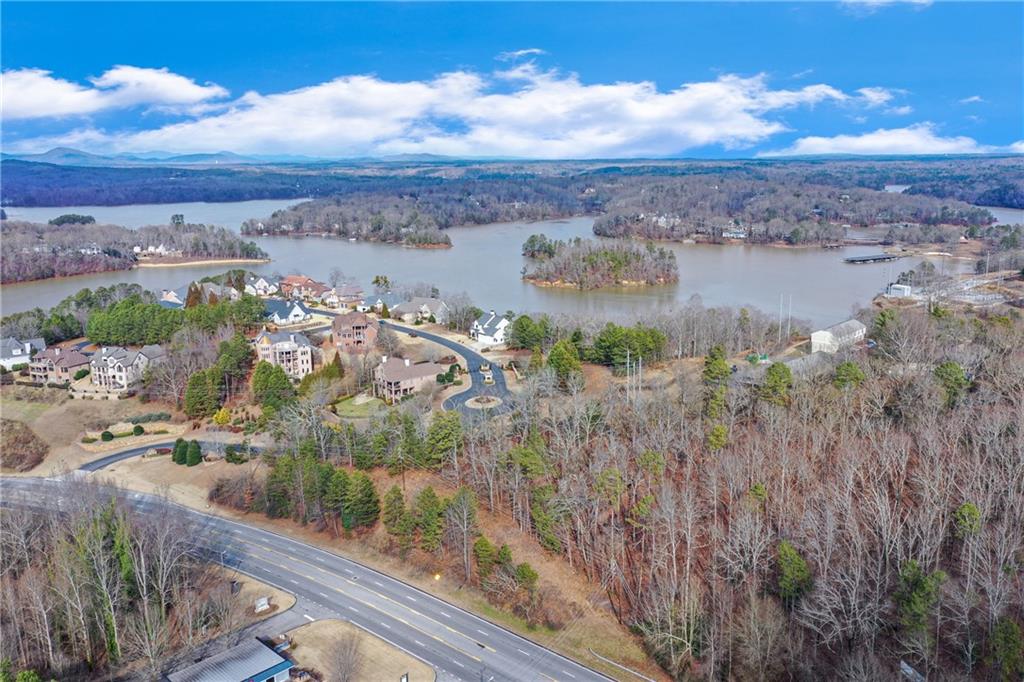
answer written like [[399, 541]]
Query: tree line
[[588, 264]]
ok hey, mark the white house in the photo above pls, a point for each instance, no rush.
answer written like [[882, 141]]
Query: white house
[[283, 313], [899, 290], [490, 329], [14, 352], [117, 369], [257, 285], [290, 351], [421, 308], [836, 337]]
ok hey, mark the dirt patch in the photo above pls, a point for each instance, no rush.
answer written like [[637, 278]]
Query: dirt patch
[[313, 645], [182, 484], [20, 448]]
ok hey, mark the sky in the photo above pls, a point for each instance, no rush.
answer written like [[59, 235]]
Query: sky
[[528, 80]]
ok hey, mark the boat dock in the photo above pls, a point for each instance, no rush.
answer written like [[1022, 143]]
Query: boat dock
[[875, 258]]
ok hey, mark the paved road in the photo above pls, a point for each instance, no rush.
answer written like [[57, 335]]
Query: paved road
[[473, 362], [458, 644], [115, 457]]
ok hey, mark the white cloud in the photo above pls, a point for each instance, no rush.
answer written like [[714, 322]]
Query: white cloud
[[875, 97], [919, 138], [36, 93], [519, 54], [522, 111], [904, 110], [864, 7], [973, 99]]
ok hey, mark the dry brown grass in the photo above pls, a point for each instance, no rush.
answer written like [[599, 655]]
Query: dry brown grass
[[20, 448], [312, 646]]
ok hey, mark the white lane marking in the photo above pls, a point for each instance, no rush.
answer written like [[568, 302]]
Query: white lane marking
[[445, 614], [569, 674], [481, 631], [377, 584], [410, 598], [323, 595], [293, 582], [386, 625], [459, 664], [309, 617], [352, 608], [522, 652], [419, 642], [348, 570]]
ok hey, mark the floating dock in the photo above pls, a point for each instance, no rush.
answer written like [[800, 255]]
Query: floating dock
[[875, 258]]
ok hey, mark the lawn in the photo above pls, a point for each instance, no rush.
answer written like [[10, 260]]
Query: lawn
[[348, 408]]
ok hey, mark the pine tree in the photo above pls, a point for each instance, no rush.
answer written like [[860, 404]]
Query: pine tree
[[363, 504], [195, 454], [444, 438], [794, 575], [394, 509], [336, 496], [485, 554], [180, 452], [429, 511]]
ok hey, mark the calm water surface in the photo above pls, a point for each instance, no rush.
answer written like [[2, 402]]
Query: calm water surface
[[485, 262]]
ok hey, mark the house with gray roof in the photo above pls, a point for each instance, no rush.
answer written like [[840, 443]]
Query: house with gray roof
[[283, 313], [117, 369], [260, 285], [838, 336], [421, 309], [248, 661], [290, 351], [490, 329], [395, 378], [14, 352]]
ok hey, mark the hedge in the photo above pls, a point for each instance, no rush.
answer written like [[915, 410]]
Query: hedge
[[106, 436]]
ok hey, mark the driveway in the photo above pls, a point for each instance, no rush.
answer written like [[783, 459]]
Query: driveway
[[473, 361]]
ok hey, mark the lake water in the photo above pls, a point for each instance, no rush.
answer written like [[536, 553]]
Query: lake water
[[485, 262], [228, 214]]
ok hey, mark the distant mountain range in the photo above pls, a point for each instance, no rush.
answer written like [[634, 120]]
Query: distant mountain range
[[66, 156]]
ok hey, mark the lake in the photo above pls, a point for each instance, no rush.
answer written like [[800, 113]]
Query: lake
[[485, 262]]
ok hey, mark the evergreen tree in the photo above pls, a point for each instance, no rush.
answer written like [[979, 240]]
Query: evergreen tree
[[363, 504], [279, 485], [485, 554], [777, 381], [429, 512], [180, 452], [202, 394], [394, 509], [271, 387], [444, 438], [564, 360], [195, 454], [953, 379], [336, 496], [848, 375], [794, 574]]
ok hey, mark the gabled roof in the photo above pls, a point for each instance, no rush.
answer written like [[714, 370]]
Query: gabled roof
[[353, 319], [283, 337], [11, 344], [277, 307], [490, 322], [62, 357], [241, 662], [846, 328], [389, 299], [434, 305]]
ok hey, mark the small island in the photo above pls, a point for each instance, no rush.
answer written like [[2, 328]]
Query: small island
[[76, 245], [590, 264]]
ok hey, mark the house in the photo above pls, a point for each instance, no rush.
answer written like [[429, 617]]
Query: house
[[14, 352], [490, 329], [57, 365], [204, 293], [377, 302], [421, 309], [249, 661], [898, 290], [836, 337], [349, 294], [257, 285], [395, 378], [283, 313], [117, 369], [290, 351], [355, 331], [734, 234], [300, 286]]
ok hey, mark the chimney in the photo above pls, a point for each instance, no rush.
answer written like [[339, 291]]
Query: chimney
[[383, 358], [407, 362], [58, 351], [292, 337]]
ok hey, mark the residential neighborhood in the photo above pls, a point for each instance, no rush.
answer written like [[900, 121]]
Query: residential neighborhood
[[119, 369], [290, 351]]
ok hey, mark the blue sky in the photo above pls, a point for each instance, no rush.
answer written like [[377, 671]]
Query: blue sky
[[537, 80]]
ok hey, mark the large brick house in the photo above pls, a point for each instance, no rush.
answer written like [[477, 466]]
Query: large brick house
[[57, 365], [355, 332], [290, 351], [395, 378]]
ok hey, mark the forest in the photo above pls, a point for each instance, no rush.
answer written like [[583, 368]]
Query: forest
[[781, 527], [98, 588], [589, 264], [414, 211], [32, 251]]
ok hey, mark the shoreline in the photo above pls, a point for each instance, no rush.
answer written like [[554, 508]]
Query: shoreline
[[338, 237], [624, 284], [211, 261]]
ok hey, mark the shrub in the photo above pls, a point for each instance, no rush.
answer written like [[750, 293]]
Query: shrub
[[106, 436], [81, 374], [194, 455], [138, 430], [88, 439], [149, 417], [180, 451]]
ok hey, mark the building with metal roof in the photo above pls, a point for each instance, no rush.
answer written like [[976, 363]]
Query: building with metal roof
[[250, 661], [842, 335]]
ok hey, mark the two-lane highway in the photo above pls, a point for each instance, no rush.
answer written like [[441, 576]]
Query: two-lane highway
[[454, 641]]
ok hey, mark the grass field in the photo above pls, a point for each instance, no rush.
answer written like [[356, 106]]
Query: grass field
[[348, 409]]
